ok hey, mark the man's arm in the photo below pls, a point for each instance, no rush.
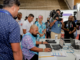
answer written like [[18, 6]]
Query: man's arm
[[40, 34], [74, 30], [17, 53], [51, 24], [64, 28], [24, 31], [40, 49], [24, 27], [14, 40], [37, 42]]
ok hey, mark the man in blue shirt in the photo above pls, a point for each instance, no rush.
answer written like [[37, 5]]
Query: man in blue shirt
[[9, 31], [56, 26]]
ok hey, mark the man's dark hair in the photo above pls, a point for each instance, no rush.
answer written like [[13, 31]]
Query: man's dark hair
[[31, 15], [19, 13], [1, 6], [36, 18], [57, 10], [26, 17], [10, 3]]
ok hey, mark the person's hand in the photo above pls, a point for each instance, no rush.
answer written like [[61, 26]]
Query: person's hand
[[47, 50], [55, 21], [61, 21], [67, 29], [70, 32], [44, 31], [45, 43], [41, 35]]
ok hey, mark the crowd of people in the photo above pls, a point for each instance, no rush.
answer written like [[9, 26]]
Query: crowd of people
[[32, 32], [28, 33]]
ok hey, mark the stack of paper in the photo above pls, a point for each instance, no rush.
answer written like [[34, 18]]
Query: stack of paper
[[59, 53]]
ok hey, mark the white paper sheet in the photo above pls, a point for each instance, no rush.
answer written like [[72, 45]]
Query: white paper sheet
[[59, 53]]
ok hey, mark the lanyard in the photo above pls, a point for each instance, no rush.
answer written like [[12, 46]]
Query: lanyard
[[59, 24], [41, 26], [6, 12]]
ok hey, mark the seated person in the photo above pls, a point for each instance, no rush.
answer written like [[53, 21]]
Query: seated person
[[29, 42]]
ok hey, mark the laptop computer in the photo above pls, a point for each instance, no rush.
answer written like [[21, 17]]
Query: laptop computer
[[47, 45], [74, 45], [59, 46], [51, 41]]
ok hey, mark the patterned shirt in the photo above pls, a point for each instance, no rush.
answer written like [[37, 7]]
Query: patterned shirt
[[9, 33], [40, 29], [27, 43]]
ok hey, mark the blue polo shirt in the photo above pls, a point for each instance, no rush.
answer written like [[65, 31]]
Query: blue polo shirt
[[9, 33], [56, 28]]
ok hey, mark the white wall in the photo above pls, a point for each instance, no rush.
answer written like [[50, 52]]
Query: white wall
[[67, 13], [78, 6], [78, 16], [71, 3], [36, 13]]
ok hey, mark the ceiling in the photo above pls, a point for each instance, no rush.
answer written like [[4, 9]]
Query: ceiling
[[42, 4]]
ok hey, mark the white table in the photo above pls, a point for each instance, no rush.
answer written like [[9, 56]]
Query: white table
[[69, 56]]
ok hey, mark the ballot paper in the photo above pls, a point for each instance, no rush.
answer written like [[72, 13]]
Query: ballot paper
[[59, 53], [47, 58]]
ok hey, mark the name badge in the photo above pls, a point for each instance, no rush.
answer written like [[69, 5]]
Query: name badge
[[58, 25]]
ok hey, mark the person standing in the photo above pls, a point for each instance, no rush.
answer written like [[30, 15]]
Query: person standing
[[56, 26], [27, 24], [48, 29], [20, 22], [42, 28], [36, 20], [9, 31], [69, 28]]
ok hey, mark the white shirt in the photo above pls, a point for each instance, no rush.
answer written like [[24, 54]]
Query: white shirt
[[20, 22], [27, 25]]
